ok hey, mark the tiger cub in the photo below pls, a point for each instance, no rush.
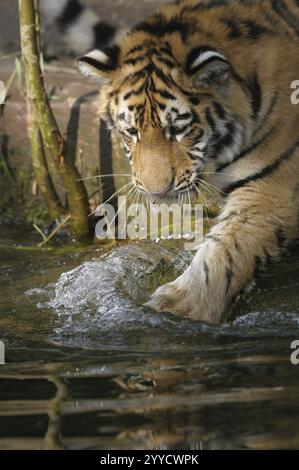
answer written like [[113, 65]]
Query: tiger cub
[[209, 83]]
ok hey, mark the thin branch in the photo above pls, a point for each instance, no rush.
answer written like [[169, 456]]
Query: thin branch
[[55, 231], [52, 137]]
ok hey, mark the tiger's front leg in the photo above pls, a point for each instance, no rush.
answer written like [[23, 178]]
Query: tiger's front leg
[[246, 235]]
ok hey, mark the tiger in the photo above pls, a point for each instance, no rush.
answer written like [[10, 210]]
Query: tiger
[[207, 84]]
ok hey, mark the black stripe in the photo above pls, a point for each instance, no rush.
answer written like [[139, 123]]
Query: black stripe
[[70, 13], [191, 97], [194, 100], [162, 26], [200, 6], [162, 106], [226, 140], [207, 273], [229, 274], [152, 68], [253, 29], [234, 31], [256, 96], [195, 118], [267, 171], [128, 95], [284, 13], [183, 117], [139, 107], [166, 94], [197, 52], [205, 63], [103, 34], [241, 81], [167, 50], [248, 150], [210, 119], [140, 47], [95, 63], [134, 61], [197, 136], [179, 131], [267, 114], [165, 61], [112, 52], [156, 122], [152, 85], [219, 110]]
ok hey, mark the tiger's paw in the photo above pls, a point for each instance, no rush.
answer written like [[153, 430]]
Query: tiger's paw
[[190, 298], [176, 298]]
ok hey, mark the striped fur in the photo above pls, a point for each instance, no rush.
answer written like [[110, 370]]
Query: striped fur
[[207, 84]]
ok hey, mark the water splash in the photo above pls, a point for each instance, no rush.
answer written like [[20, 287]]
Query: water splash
[[103, 299], [108, 292]]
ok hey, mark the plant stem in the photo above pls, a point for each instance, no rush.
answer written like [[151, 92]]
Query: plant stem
[[55, 231], [52, 137], [40, 166]]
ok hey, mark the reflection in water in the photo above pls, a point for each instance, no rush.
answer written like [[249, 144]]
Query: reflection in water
[[157, 404], [88, 367], [52, 440]]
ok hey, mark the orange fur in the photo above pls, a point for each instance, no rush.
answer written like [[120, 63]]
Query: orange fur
[[243, 122]]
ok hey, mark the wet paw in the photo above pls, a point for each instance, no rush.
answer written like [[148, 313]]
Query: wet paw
[[171, 298], [187, 297]]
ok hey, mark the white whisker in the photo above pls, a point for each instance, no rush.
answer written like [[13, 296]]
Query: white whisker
[[211, 191], [104, 176], [205, 203], [115, 194], [120, 208]]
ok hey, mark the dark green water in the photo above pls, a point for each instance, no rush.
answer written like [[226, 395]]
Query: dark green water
[[88, 367]]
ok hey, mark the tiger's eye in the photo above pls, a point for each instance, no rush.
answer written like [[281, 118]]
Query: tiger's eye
[[133, 131]]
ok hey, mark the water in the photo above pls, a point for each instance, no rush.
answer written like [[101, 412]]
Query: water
[[89, 367]]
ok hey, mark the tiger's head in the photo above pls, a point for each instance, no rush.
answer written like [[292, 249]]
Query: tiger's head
[[177, 107]]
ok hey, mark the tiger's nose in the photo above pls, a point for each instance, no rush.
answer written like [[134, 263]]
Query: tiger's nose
[[160, 190], [160, 193]]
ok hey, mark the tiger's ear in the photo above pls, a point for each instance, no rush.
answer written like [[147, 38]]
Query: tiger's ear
[[207, 67], [100, 64]]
